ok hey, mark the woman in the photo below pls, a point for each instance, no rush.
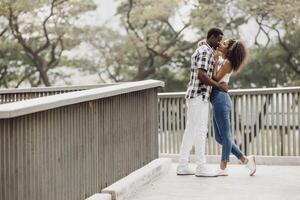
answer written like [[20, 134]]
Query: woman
[[230, 57]]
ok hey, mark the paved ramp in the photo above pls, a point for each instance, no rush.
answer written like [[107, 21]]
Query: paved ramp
[[270, 182]]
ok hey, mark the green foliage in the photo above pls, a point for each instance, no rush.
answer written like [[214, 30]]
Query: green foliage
[[265, 69], [40, 31], [14, 65], [150, 10], [269, 67], [153, 48], [175, 80]]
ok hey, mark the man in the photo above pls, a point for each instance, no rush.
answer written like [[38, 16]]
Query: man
[[197, 101]]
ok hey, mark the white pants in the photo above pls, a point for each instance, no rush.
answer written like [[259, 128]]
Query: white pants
[[196, 130]]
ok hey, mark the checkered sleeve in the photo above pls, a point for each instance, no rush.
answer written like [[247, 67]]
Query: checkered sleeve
[[202, 59]]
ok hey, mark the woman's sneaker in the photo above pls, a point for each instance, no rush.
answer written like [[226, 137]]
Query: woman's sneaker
[[251, 165], [223, 172], [184, 169]]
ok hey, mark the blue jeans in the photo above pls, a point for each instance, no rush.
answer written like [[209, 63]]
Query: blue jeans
[[221, 110]]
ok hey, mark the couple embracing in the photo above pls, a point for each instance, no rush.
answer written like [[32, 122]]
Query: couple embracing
[[212, 64]]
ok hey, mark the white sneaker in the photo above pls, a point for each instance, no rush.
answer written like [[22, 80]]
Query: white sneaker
[[251, 165], [223, 172], [205, 171], [184, 169]]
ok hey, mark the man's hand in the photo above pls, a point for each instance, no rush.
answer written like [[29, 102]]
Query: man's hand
[[208, 81], [223, 87]]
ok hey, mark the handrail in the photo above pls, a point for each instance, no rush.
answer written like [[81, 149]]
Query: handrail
[[235, 92], [54, 89], [20, 108]]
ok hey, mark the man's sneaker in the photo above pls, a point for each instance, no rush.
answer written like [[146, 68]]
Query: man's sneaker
[[251, 165], [223, 172], [184, 169], [205, 171]]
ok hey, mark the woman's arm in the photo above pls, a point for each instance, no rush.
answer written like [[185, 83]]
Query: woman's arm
[[206, 80], [226, 68]]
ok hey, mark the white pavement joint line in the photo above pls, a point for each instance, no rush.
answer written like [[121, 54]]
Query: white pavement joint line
[[121, 189], [260, 160], [99, 196]]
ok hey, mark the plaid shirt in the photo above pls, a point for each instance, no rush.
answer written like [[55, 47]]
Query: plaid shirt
[[201, 59]]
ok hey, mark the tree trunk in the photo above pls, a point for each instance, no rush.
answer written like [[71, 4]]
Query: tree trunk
[[42, 67], [45, 78]]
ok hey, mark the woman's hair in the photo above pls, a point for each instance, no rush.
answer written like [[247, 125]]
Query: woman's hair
[[237, 54]]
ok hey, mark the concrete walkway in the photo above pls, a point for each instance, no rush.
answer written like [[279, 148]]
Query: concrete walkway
[[270, 182]]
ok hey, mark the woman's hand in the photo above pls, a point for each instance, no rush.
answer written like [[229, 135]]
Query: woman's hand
[[217, 55]]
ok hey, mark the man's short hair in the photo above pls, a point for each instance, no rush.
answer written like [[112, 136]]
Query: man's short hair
[[215, 32]]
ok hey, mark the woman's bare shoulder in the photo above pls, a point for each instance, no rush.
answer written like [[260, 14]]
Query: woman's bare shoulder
[[227, 65]]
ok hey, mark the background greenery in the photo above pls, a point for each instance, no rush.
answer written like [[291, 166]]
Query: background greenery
[[36, 34]]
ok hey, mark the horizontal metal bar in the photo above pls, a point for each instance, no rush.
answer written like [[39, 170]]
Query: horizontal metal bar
[[236, 92]]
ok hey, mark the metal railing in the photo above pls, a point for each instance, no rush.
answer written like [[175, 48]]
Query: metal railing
[[13, 95], [70, 146], [263, 122]]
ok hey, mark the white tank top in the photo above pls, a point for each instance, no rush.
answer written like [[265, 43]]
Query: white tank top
[[226, 77]]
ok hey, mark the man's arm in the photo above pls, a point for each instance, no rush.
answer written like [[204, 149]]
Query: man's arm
[[208, 81], [202, 63]]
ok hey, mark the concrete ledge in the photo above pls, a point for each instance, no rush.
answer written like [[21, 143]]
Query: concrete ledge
[[99, 196], [15, 109], [55, 88], [121, 189], [260, 160]]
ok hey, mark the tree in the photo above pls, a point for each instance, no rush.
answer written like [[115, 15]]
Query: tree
[[156, 40], [281, 18], [14, 65], [266, 68], [42, 30], [150, 45], [152, 41], [275, 61]]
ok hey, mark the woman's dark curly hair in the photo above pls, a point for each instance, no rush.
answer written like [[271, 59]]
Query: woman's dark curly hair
[[237, 54]]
